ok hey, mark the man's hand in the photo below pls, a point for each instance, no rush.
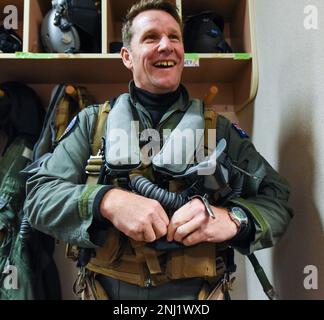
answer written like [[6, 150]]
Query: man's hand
[[140, 218], [191, 225]]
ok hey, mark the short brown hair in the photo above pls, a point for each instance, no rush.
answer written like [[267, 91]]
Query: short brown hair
[[144, 5]]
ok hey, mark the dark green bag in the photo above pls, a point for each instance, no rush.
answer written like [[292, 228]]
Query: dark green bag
[[26, 255], [16, 277], [23, 264]]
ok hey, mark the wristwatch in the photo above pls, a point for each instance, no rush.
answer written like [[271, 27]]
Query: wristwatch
[[239, 217]]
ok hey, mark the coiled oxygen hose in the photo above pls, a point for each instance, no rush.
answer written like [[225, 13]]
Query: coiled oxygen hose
[[169, 200]]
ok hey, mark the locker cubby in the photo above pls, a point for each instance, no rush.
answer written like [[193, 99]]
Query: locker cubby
[[37, 10], [235, 74], [235, 14]]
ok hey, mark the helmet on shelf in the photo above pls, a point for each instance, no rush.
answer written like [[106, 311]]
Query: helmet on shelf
[[72, 26], [57, 32], [10, 42], [203, 33]]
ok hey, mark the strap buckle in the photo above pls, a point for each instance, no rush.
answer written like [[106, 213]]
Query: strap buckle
[[87, 287], [80, 284], [94, 165]]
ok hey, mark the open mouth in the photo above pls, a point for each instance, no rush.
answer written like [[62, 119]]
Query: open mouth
[[164, 64]]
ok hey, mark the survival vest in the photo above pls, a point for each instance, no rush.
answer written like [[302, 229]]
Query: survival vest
[[136, 262], [132, 261]]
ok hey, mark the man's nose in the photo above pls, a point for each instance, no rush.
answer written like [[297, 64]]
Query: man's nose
[[165, 44]]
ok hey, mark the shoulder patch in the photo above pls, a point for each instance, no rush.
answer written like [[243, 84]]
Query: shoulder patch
[[69, 128], [240, 131]]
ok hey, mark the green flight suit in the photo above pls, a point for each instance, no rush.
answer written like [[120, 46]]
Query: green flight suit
[[59, 202]]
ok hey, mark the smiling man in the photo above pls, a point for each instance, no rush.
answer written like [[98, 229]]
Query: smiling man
[[155, 52], [146, 242]]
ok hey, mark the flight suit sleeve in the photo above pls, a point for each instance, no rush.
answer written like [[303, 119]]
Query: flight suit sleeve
[[58, 202], [264, 194]]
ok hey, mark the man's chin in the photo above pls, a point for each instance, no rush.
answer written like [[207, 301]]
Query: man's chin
[[166, 89], [167, 86]]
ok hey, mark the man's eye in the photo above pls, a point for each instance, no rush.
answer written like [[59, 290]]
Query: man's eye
[[150, 38], [174, 37]]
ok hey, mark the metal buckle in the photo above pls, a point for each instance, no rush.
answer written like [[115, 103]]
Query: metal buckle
[[80, 282], [205, 201]]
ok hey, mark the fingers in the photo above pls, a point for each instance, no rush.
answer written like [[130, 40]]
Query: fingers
[[211, 230], [154, 222], [194, 238], [191, 226], [148, 231], [154, 210], [159, 220], [185, 214], [180, 217], [163, 215], [140, 218], [149, 234], [160, 228]]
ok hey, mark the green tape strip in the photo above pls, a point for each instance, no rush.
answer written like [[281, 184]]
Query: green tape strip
[[29, 55], [192, 56], [191, 60], [242, 56], [83, 203]]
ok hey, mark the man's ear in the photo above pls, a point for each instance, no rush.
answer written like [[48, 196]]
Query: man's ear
[[127, 58]]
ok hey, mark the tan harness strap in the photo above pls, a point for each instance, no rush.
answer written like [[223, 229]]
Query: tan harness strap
[[100, 126], [144, 253], [95, 162], [210, 124]]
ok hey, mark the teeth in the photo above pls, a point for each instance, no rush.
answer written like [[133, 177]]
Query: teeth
[[165, 64]]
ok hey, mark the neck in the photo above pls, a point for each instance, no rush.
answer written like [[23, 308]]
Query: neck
[[156, 104], [148, 99]]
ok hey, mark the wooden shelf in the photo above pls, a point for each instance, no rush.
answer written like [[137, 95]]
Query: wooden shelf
[[236, 74], [107, 68]]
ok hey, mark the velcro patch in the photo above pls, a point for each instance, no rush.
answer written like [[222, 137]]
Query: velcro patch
[[240, 131]]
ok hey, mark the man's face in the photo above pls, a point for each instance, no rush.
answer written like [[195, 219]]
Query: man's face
[[156, 54]]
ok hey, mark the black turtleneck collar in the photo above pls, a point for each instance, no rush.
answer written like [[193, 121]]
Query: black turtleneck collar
[[156, 104]]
